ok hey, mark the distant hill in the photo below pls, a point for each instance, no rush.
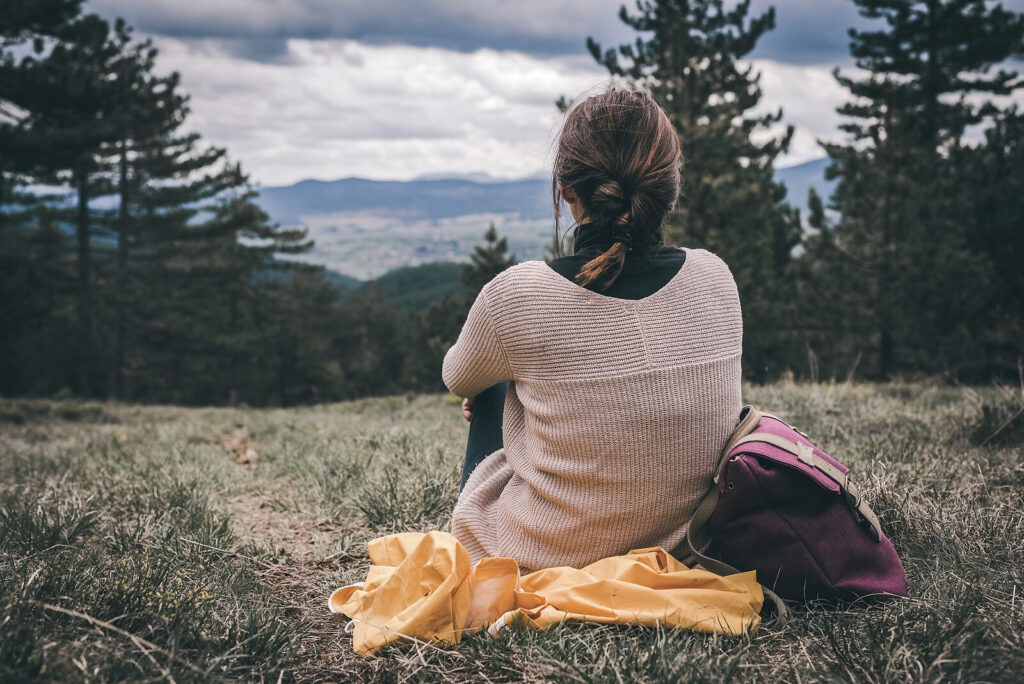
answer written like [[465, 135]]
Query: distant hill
[[800, 178], [423, 199], [415, 287], [346, 285], [366, 228], [410, 287]]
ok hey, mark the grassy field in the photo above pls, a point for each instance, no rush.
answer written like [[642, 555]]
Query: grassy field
[[153, 543]]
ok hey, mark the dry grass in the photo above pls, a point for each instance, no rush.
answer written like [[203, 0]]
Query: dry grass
[[134, 546]]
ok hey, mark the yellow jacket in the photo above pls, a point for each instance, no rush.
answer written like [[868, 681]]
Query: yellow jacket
[[422, 586]]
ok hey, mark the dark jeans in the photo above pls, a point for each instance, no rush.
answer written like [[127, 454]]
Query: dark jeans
[[485, 435]]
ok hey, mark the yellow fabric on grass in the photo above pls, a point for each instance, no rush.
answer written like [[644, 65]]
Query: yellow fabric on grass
[[423, 586]]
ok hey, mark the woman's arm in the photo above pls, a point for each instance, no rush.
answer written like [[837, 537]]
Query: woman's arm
[[476, 360]]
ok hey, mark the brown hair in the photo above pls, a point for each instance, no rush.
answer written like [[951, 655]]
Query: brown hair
[[619, 153]]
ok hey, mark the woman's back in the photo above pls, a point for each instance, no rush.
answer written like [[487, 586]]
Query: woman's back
[[615, 416]]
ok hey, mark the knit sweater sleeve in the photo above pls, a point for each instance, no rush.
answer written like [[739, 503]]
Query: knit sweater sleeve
[[476, 360]]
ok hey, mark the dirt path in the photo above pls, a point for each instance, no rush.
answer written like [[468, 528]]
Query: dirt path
[[298, 573], [293, 535]]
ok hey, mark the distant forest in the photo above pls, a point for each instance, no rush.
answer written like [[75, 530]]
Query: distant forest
[[136, 263]]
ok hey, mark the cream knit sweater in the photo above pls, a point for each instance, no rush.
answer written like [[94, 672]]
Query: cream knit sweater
[[615, 417]]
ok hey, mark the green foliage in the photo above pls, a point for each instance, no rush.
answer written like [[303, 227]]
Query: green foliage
[[435, 330], [909, 272], [68, 114], [178, 293], [414, 288], [35, 19], [993, 177], [180, 308], [487, 261], [346, 285], [148, 273]]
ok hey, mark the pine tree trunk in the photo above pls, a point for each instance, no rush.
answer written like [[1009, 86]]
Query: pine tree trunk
[[282, 378], [85, 317], [122, 279], [884, 352], [884, 265], [931, 80], [233, 358]]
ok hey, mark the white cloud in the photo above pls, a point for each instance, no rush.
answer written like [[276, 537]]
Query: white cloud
[[340, 108], [808, 96], [337, 108]]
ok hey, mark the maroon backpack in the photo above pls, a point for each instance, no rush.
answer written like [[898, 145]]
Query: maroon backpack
[[788, 510]]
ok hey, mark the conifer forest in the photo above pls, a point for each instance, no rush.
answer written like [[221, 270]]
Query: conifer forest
[[137, 264]]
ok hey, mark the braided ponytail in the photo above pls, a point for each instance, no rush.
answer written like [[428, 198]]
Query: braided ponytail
[[620, 154]]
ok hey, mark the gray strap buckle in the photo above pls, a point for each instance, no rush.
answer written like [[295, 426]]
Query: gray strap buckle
[[852, 493], [861, 509]]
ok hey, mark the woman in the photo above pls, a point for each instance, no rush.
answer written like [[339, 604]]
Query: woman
[[608, 380]]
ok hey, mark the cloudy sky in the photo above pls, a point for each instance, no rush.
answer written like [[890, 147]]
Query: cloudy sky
[[395, 89]]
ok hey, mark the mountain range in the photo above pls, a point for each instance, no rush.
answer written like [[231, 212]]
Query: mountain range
[[364, 228]]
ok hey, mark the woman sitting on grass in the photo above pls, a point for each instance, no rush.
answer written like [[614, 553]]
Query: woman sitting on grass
[[600, 387]]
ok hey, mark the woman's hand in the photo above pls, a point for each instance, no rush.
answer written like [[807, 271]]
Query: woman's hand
[[467, 408]]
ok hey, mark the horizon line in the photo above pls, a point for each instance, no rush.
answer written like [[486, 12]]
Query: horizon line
[[466, 176]]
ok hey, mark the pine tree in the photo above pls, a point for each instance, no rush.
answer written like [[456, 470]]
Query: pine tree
[[34, 264], [194, 285], [996, 205], [69, 104], [729, 201], [487, 261], [25, 21], [434, 330], [295, 348], [36, 334], [207, 295], [150, 110], [912, 279], [163, 178], [371, 344], [23, 24]]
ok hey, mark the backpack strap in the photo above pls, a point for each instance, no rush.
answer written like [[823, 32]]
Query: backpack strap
[[698, 534], [807, 456], [749, 418]]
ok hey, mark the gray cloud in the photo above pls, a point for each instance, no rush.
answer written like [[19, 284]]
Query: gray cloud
[[335, 108], [542, 27], [809, 32], [806, 32], [397, 89], [268, 49]]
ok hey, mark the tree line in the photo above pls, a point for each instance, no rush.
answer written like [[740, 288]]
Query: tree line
[[913, 265], [135, 262]]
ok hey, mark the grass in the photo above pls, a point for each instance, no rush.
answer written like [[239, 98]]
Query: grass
[[134, 547]]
